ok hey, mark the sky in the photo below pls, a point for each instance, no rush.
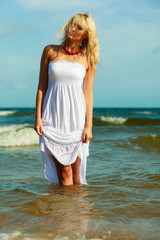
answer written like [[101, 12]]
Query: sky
[[129, 37]]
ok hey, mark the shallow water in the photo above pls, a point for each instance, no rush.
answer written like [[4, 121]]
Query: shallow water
[[121, 200]]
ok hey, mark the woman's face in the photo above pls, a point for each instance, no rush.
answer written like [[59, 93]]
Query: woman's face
[[77, 32]]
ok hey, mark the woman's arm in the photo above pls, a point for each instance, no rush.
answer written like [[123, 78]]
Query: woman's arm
[[42, 87], [88, 95]]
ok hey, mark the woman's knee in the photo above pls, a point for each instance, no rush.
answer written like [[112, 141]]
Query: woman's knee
[[66, 172]]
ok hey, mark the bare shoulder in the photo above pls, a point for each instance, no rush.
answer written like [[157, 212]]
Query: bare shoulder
[[85, 62], [51, 51], [91, 68]]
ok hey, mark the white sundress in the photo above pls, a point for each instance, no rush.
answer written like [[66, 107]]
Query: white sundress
[[63, 117]]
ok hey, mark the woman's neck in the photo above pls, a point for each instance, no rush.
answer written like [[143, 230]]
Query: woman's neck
[[73, 46]]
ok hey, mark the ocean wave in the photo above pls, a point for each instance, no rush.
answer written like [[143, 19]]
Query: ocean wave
[[147, 143], [129, 121], [18, 135], [143, 112], [109, 120], [23, 112], [7, 113]]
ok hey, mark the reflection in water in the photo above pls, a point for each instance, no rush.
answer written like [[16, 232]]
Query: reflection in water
[[63, 210]]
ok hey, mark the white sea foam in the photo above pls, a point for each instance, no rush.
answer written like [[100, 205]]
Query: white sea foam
[[6, 113], [18, 135], [154, 136], [20, 236], [113, 120], [142, 112], [14, 235]]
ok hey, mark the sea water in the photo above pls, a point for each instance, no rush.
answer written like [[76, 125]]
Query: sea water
[[121, 200]]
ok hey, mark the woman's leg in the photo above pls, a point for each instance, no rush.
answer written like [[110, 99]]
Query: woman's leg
[[75, 169], [68, 175], [65, 174]]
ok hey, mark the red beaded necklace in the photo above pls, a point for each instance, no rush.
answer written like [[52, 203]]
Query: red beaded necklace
[[72, 53]]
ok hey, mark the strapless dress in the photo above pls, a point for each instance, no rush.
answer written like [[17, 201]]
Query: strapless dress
[[63, 117]]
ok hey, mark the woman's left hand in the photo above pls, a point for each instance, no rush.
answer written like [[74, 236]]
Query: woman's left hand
[[87, 134]]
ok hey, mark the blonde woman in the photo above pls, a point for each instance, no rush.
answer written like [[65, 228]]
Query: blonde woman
[[64, 111]]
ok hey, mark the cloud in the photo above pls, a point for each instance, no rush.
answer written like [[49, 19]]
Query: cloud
[[8, 29], [51, 5], [156, 49], [19, 85], [2, 86], [130, 39]]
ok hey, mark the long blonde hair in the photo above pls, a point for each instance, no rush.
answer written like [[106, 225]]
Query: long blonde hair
[[90, 45]]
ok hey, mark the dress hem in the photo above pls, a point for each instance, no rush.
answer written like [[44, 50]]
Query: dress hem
[[50, 171]]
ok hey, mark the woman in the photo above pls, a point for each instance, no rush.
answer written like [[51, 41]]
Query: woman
[[64, 112]]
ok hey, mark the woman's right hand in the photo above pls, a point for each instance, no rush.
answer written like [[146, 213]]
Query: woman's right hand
[[38, 127]]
